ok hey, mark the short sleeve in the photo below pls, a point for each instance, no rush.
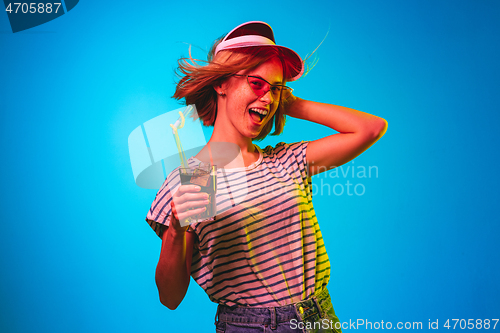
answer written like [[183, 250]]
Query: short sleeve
[[293, 157], [298, 149], [159, 214]]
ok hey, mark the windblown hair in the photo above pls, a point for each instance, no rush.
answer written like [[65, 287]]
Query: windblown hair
[[197, 81]]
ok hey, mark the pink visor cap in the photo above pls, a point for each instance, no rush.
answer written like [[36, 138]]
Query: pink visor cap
[[256, 33]]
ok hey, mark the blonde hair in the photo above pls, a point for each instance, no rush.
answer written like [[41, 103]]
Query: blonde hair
[[196, 84]]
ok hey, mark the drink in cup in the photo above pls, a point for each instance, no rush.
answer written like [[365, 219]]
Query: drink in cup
[[204, 176]]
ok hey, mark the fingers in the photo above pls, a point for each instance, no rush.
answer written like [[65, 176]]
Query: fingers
[[188, 201], [183, 216], [191, 213], [287, 96], [189, 205], [188, 193], [288, 105], [188, 188]]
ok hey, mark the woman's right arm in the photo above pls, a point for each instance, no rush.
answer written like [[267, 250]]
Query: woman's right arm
[[173, 271], [174, 266]]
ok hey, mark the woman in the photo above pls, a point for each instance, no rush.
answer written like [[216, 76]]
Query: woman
[[263, 260]]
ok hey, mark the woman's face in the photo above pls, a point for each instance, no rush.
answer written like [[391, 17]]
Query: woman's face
[[242, 104]]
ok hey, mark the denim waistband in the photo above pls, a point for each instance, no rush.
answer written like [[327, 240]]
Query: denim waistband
[[314, 305]]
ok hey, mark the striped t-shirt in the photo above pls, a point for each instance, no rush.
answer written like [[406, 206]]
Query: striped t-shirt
[[264, 247]]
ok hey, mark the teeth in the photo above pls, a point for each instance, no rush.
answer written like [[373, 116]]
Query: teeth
[[261, 111]]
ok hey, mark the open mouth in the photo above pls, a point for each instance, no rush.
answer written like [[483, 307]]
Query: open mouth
[[257, 114]]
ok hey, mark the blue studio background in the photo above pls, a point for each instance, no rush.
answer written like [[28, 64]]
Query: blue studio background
[[420, 243]]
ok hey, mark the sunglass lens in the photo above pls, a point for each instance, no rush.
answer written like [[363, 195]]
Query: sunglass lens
[[259, 86]]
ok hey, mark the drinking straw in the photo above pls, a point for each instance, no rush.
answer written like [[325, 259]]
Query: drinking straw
[[175, 127], [212, 166]]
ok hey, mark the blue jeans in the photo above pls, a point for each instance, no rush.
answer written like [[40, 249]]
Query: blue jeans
[[315, 314]]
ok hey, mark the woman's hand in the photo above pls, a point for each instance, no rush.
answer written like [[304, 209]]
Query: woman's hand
[[287, 102], [187, 202]]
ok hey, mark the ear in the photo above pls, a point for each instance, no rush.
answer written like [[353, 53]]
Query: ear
[[220, 87]]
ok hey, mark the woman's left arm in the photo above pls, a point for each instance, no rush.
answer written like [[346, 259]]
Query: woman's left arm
[[357, 132]]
